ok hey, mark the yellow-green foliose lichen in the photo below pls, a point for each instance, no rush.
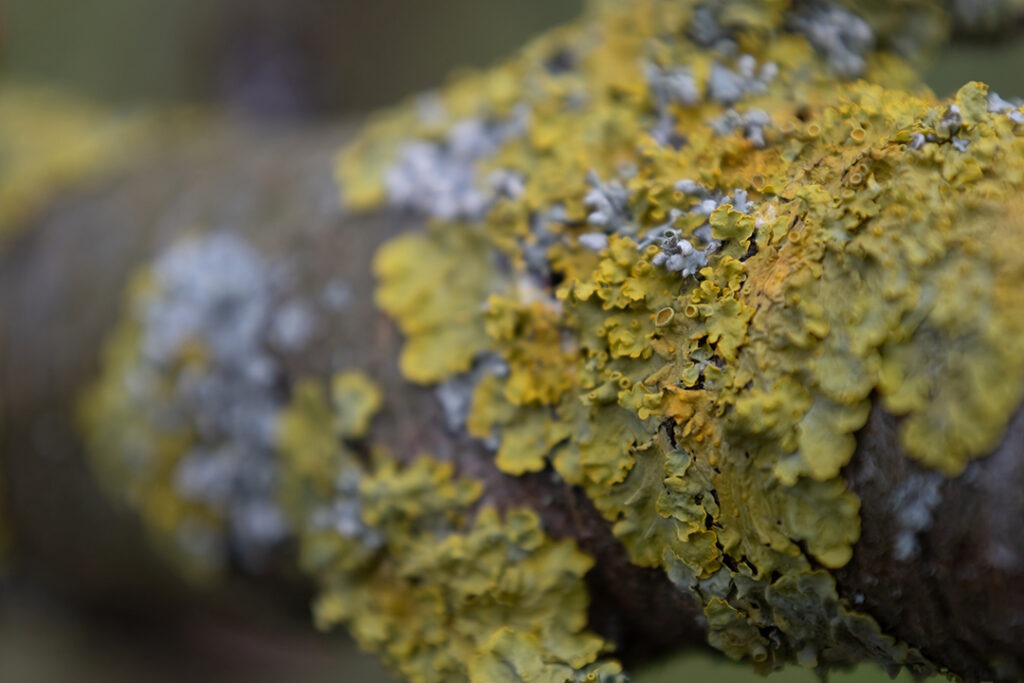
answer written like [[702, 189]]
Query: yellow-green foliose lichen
[[700, 259], [442, 589]]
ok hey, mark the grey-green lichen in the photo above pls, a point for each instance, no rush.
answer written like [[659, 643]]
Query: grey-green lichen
[[717, 256], [181, 422], [443, 589]]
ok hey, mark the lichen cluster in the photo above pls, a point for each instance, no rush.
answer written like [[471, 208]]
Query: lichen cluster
[[182, 422], [674, 255], [715, 256], [444, 591], [192, 425]]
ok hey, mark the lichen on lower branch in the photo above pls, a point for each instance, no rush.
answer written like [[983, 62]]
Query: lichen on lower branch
[[442, 589]]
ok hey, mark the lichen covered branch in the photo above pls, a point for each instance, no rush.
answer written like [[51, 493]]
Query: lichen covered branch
[[666, 319]]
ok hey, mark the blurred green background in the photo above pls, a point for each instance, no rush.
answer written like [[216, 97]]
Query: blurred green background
[[336, 55], [288, 59]]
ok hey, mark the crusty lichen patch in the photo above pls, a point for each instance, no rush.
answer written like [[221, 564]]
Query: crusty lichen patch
[[181, 422], [443, 591], [715, 256]]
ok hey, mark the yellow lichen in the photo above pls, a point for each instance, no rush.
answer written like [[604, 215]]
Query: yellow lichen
[[443, 591], [439, 306], [686, 262], [50, 141], [356, 398], [867, 248]]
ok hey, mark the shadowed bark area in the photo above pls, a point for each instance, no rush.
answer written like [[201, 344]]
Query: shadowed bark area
[[958, 595], [955, 593]]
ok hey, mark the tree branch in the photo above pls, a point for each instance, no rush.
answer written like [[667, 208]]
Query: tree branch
[[664, 303]]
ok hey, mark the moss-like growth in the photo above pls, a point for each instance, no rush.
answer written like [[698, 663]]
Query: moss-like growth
[[716, 255]]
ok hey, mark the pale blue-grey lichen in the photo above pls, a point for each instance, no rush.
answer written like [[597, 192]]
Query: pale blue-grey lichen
[[182, 422], [292, 326], [912, 505], [679, 255], [440, 178], [456, 394], [342, 512], [545, 231], [1012, 107], [595, 241], [608, 203], [728, 86], [217, 292], [337, 295], [708, 199], [672, 86], [752, 123], [843, 37], [707, 31]]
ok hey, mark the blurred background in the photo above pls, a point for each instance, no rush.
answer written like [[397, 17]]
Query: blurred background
[[293, 60], [272, 57], [312, 57]]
